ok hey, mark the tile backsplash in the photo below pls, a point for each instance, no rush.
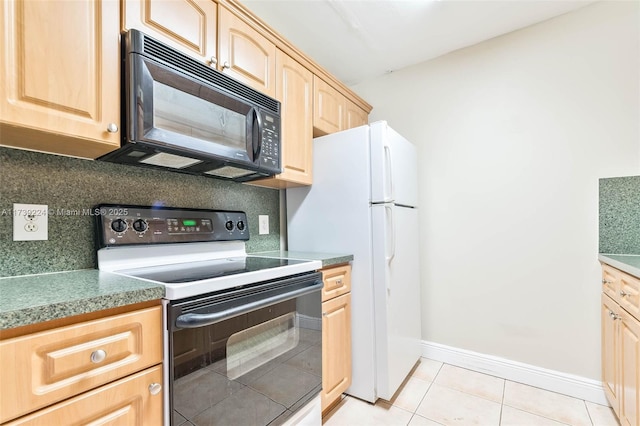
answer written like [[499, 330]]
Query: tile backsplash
[[620, 215], [70, 185]]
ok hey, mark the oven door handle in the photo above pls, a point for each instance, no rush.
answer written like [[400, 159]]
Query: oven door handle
[[202, 320]]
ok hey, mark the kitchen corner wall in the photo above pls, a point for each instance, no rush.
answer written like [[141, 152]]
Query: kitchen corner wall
[[620, 215], [69, 185], [513, 135]]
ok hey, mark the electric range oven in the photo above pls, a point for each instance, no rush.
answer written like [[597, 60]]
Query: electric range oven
[[243, 334]]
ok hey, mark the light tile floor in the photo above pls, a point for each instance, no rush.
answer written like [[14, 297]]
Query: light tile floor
[[442, 394]]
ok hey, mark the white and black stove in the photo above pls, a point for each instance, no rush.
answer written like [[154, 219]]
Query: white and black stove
[[189, 251], [233, 320]]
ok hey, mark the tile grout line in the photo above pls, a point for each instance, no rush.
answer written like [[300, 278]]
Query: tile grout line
[[504, 390], [473, 394], [588, 412], [538, 414], [415, 412]]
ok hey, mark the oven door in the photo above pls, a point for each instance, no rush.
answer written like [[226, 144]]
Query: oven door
[[250, 356]]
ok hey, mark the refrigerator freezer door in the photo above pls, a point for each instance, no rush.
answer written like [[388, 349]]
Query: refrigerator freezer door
[[394, 168], [396, 287]]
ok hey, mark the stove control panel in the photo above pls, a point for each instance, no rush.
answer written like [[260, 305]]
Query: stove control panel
[[118, 225]]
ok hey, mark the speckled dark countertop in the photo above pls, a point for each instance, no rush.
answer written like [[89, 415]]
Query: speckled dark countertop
[[327, 259], [619, 215], [629, 263], [30, 299]]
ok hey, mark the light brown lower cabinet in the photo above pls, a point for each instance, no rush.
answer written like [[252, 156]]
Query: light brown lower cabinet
[[106, 370], [621, 345], [129, 401], [336, 334]]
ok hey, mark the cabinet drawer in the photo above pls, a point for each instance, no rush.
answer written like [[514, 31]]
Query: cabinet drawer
[[43, 368], [337, 281], [622, 288], [610, 281], [125, 402], [629, 294]]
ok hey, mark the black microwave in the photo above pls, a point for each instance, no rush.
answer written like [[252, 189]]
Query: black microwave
[[182, 115]]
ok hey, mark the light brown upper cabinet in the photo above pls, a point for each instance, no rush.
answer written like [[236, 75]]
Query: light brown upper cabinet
[[355, 116], [332, 111], [186, 25], [328, 108], [294, 89], [60, 76], [245, 54]]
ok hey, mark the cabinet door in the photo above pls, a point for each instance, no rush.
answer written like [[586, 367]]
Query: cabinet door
[[336, 348], [629, 370], [245, 54], [187, 25], [294, 90], [328, 108], [130, 401], [355, 116], [610, 350], [61, 76]]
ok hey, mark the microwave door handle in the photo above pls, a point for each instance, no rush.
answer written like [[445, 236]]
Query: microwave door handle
[[257, 134]]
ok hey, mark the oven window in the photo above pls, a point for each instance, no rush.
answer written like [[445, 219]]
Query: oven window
[[250, 369], [186, 114], [251, 348]]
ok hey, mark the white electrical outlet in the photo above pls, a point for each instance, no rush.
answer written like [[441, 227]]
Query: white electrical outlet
[[263, 224], [30, 222]]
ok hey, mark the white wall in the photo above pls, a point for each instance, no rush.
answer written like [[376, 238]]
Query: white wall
[[513, 135]]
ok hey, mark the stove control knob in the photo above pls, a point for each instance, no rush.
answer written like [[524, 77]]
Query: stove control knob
[[140, 225], [229, 225], [240, 225], [119, 225]]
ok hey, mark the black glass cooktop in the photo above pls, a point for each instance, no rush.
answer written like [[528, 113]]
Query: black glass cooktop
[[204, 270]]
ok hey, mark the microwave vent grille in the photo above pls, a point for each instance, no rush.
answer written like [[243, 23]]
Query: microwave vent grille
[[198, 69]]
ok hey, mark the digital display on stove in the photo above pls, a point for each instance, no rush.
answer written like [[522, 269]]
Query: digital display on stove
[[189, 226]]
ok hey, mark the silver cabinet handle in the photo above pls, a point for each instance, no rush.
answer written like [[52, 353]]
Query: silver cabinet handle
[[607, 282], [98, 356], [623, 294], [155, 388], [226, 65], [339, 282], [112, 128], [614, 316], [213, 61], [324, 314]]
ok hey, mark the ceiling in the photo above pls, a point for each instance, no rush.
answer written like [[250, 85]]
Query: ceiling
[[359, 39]]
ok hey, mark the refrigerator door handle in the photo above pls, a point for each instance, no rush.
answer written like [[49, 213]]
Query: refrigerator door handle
[[392, 226], [391, 195]]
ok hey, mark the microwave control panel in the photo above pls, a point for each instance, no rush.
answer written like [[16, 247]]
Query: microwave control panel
[[129, 225], [270, 154]]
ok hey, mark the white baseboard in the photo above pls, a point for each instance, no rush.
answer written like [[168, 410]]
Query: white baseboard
[[312, 323], [556, 381]]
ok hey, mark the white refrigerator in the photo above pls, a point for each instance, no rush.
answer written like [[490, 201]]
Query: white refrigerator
[[364, 201]]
